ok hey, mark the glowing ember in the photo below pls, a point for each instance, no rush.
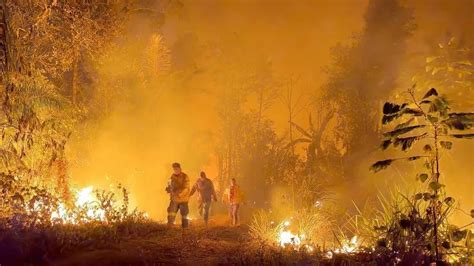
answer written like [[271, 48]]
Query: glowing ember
[[349, 246]]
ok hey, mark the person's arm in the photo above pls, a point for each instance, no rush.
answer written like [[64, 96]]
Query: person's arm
[[193, 189], [169, 186], [213, 192]]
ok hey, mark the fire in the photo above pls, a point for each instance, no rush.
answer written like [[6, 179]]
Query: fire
[[287, 239], [86, 202], [349, 246]]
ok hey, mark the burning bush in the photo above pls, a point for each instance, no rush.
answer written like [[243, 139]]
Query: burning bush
[[302, 232], [26, 205]]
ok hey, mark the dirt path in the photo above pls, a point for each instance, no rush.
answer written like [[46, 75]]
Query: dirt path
[[198, 245]]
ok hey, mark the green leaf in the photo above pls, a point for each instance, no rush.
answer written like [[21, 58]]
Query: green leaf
[[401, 131], [463, 136], [423, 177], [446, 144], [449, 201], [435, 186], [380, 165], [431, 92]]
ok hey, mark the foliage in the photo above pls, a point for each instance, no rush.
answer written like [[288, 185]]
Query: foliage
[[449, 67], [419, 223], [264, 229], [51, 36], [24, 205]]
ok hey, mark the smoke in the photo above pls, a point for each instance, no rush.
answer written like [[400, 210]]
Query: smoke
[[156, 90]]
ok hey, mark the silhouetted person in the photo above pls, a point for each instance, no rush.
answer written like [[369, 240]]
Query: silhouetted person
[[205, 188], [178, 187]]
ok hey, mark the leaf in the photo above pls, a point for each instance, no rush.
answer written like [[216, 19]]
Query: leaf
[[455, 124], [391, 108], [401, 131], [449, 201], [440, 105], [405, 124], [427, 148], [411, 111], [380, 165], [446, 144], [389, 118], [460, 121], [423, 177], [463, 136], [472, 213], [426, 196], [405, 142], [385, 144], [418, 196], [408, 141], [459, 235], [435, 186], [431, 92]]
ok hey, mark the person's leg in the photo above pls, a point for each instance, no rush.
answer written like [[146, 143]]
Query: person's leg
[[172, 210], [233, 213], [201, 208], [237, 216], [206, 206], [184, 210]]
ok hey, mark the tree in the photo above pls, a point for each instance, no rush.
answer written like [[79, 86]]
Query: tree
[[450, 67], [363, 72], [431, 122], [55, 37]]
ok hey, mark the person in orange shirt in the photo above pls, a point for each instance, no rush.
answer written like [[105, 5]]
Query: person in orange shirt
[[235, 198]]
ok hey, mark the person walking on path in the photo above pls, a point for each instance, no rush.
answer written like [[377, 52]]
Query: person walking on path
[[178, 188], [236, 198], [206, 192]]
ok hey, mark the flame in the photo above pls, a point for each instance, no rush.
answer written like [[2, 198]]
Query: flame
[[349, 246], [287, 239], [86, 201]]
